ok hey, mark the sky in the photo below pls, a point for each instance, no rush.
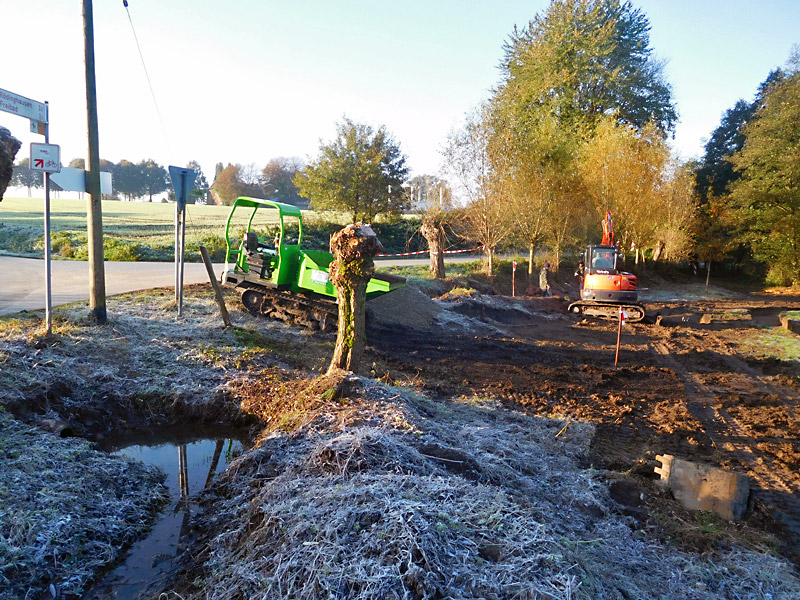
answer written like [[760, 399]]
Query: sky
[[245, 81]]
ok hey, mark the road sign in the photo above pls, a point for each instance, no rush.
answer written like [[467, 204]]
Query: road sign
[[182, 182], [22, 106], [74, 180], [45, 158]]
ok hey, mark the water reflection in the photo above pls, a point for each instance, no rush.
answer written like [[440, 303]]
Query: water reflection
[[190, 466]]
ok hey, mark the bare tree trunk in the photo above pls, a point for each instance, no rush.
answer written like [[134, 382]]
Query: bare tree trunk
[[433, 233], [658, 251], [531, 249], [490, 260], [353, 248]]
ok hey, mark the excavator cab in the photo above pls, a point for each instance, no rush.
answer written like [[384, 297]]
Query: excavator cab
[[606, 289], [601, 258]]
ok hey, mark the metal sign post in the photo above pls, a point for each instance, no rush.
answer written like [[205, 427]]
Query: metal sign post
[[182, 182], [45, 158]]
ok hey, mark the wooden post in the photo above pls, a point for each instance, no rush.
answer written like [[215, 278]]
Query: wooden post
[[226, 318], [94, 225], [353, 248]]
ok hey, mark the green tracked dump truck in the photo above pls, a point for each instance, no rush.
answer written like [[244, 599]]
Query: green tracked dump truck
[[273, 275]]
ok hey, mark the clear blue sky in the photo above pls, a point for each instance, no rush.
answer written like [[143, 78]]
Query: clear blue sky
[[244, 81]]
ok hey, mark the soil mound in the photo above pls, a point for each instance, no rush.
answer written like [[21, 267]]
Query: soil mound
[[407, 307]]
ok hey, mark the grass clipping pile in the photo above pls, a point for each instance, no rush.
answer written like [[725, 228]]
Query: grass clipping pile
[[65, 510], [386, 494]]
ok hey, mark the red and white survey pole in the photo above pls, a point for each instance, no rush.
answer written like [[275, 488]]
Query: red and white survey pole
[[513, 279], [622, 317]]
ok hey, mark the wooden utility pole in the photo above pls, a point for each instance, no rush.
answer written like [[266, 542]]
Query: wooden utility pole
[[94, 225]]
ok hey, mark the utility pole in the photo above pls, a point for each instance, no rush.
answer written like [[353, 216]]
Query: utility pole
[[94, 225]]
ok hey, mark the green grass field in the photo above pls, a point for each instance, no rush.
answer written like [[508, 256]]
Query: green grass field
[[125, 224], [146, 231]]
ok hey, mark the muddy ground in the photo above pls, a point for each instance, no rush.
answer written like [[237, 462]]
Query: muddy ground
[[710, 377]]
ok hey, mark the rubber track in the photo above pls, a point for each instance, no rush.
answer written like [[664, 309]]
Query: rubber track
[[728, 435]]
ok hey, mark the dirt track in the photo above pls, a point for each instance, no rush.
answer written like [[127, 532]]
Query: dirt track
[[692, 385]]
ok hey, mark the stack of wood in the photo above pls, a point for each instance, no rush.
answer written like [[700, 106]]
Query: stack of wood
[[9, 146], [353, 249]]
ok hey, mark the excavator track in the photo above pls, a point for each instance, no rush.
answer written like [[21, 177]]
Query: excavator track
[[295, 309], [610, 310]]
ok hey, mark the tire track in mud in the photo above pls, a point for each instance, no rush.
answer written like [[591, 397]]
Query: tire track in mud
[[772, 481]]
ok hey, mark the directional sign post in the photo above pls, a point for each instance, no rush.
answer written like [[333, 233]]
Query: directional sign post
[[182, 182], [45, 158]]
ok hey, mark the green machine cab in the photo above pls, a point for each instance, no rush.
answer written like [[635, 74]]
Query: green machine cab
[[264, 261]]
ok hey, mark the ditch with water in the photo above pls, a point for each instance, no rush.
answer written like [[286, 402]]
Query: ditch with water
[[190, 460]]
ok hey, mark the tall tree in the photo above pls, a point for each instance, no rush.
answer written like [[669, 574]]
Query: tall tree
[[718, 233], [677, 214], [582, 60], [26, 177], [200, 190], [154, 178], [361, 172], [623, 171], [129, 179], [715, 173], [766, 197], [229, 185], [278, 180], [486, 217]]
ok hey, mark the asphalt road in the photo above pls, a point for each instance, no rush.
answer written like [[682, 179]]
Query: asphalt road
[[23, 288]]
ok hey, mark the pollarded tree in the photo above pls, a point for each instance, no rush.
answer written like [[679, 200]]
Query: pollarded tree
[[360, 172], [583, 59], [767, 195], [432, 198]]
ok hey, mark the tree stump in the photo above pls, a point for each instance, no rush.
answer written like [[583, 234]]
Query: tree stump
[[9, 146], [353, 249]]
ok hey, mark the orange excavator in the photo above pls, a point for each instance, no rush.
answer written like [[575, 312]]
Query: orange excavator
[[605, 290]]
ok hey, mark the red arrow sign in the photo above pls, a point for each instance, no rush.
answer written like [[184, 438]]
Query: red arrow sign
[[39, 162]]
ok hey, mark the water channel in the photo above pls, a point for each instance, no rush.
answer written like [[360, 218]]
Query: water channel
[[190, 461]]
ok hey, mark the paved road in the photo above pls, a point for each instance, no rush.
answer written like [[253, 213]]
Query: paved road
[[22, 286], [22, 279]]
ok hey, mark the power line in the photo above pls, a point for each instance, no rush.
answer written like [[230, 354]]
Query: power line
[[147, 75]]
